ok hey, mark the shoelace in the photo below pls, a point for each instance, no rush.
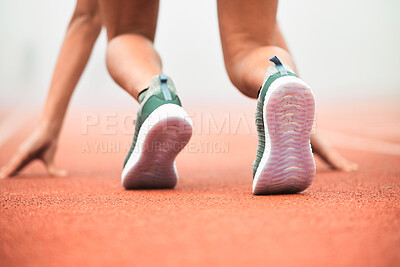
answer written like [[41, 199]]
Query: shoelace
[[164, 87]]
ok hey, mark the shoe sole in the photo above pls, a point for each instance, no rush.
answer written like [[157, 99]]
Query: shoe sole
[[287, 165], [162, 136]]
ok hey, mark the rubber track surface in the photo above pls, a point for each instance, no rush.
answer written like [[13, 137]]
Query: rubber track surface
[[211, 218]]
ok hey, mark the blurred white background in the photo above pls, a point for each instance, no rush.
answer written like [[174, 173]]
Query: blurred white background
[[346, 50]]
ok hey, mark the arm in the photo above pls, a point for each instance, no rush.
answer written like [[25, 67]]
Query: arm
[[82, 33], [330, 156]]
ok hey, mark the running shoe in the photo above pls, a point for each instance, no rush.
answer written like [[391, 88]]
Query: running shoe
[[285, 114], [162, 130]]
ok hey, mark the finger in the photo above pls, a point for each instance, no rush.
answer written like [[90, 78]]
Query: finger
[[52, 170], [48, 159], [2, 174], [355, 167], [17, 163], [347, 166], [352, 167]]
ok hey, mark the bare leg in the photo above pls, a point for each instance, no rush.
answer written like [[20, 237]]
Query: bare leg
[[250, 35], [131, 58], [83, 30]]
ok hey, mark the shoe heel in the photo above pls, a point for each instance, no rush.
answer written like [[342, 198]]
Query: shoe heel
[[289, 166]]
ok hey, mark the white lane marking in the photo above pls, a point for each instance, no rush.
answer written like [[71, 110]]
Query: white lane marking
[[361, 143]]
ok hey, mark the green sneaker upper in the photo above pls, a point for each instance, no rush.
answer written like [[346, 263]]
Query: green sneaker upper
[[273, 73], [161, 91]]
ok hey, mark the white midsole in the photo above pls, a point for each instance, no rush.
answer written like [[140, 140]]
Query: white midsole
[[267, 150], [164, 112]]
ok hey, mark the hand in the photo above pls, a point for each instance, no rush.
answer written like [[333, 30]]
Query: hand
[[337, 162], [40, 145], [330, 156]]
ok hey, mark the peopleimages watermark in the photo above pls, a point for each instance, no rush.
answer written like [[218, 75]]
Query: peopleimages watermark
[[111, 125], [191, 147], [205, 123]]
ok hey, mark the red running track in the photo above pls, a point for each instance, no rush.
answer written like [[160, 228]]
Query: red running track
[[211, 218]]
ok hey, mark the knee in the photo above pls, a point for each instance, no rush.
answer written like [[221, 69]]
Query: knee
[[246, 69], [240, 69], [130, 43]]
